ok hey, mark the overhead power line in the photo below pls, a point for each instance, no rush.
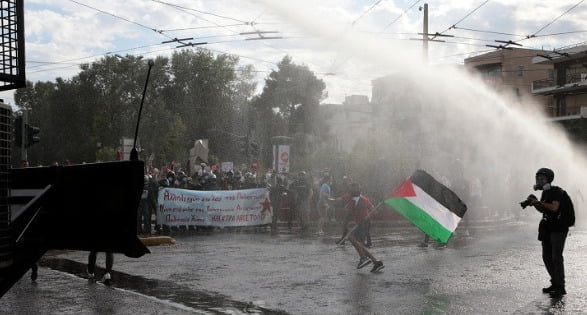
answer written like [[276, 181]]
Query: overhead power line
[[466, 16], [366, 11], [561, 33], [199, 11], [488, 32], [185, 10], [550, 23], [97, 55], [115, 16], [572, 45], [199, 27], [399, 16]]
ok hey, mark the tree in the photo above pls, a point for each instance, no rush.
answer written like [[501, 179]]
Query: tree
[[289, 104], [210, 93], [190, 96]]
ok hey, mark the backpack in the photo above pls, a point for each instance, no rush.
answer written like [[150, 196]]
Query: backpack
[[567, 210]]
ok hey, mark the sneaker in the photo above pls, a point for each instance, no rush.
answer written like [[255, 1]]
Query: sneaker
[[558, 291], [106, 277], [89, 274], [548, 289], [377, 266], [364, 261]]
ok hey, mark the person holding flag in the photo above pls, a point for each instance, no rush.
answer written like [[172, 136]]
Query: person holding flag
[[359, 209]]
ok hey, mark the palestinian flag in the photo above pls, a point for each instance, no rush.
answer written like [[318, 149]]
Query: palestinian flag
[[429, 205]]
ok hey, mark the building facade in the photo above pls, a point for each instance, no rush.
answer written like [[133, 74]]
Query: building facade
[[511, 72], [567, 88], [568, 84], [348, 121]]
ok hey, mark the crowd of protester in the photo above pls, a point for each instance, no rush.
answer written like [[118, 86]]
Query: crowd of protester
[[296, 197]]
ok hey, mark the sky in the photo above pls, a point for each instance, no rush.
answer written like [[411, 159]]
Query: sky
[[327, 35]]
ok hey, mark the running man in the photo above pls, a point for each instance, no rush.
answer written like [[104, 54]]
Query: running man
[[358, 207]]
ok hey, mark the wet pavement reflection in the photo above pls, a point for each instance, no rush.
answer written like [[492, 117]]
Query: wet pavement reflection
[[161, 289], [495, 269]]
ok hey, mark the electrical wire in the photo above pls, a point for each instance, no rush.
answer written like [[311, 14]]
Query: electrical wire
[[399, 16], [488, 32], [547, 25], [98, 55], [561, 33], [185, 10], [199, 27], [466, 16], [199, 11], [115, 16], [366, 11], [572, 45]]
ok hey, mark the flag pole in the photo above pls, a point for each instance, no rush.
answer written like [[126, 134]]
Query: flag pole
[[371, 211]]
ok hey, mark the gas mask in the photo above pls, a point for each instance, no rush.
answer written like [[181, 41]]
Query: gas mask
[[541, 184]]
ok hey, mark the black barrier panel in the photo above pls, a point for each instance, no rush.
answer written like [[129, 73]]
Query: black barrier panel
[[90, 207]]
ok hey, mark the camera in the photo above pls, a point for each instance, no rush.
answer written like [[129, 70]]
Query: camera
[[527, 202]]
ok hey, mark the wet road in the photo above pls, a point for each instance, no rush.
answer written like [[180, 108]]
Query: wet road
[[497, 269]]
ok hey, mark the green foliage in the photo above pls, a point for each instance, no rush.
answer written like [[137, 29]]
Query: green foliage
[[288, 106], [194, 94], [189, 96], [295, 91], [106, 154]]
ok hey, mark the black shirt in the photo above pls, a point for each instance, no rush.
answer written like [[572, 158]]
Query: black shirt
[[553, 218]]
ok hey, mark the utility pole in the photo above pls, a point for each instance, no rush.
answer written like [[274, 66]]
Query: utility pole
[[425, 33], [426, 36]]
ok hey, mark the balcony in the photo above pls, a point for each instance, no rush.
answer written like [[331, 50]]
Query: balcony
[[575, 84], [542, 84]]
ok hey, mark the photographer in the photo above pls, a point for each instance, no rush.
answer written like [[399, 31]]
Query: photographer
[[552, 231]]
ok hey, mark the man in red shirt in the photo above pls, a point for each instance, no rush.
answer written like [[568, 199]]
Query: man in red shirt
[[359, 207]]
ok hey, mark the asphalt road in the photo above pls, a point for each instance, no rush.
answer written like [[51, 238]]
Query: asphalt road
[[497, 268]]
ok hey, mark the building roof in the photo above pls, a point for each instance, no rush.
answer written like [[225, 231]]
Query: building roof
[[498, 53], [561, 55]]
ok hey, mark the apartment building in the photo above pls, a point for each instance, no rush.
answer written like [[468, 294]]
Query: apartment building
[[511, 72]]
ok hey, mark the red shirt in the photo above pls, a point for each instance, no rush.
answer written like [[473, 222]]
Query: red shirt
[[360, 212]]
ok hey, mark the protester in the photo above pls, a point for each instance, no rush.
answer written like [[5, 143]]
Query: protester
[[359, 208], [34, 272], [144, 211], [347, 184], [323, 205], [553, 229], [92, 265], [302, 193]]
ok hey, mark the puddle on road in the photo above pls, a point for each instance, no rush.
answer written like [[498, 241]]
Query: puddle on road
[[162, 290]]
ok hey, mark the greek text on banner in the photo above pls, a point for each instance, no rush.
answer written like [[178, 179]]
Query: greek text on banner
[[219, 208]]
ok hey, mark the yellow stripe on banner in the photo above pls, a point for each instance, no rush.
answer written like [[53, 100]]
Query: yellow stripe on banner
[[157, 240]]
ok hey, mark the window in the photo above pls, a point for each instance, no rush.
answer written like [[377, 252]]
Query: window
[[550, 74], [520, 71]]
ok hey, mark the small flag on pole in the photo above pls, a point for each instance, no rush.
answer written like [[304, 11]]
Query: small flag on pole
[[429, 205]]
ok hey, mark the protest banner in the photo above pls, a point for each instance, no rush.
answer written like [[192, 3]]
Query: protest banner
[[220, 208]]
